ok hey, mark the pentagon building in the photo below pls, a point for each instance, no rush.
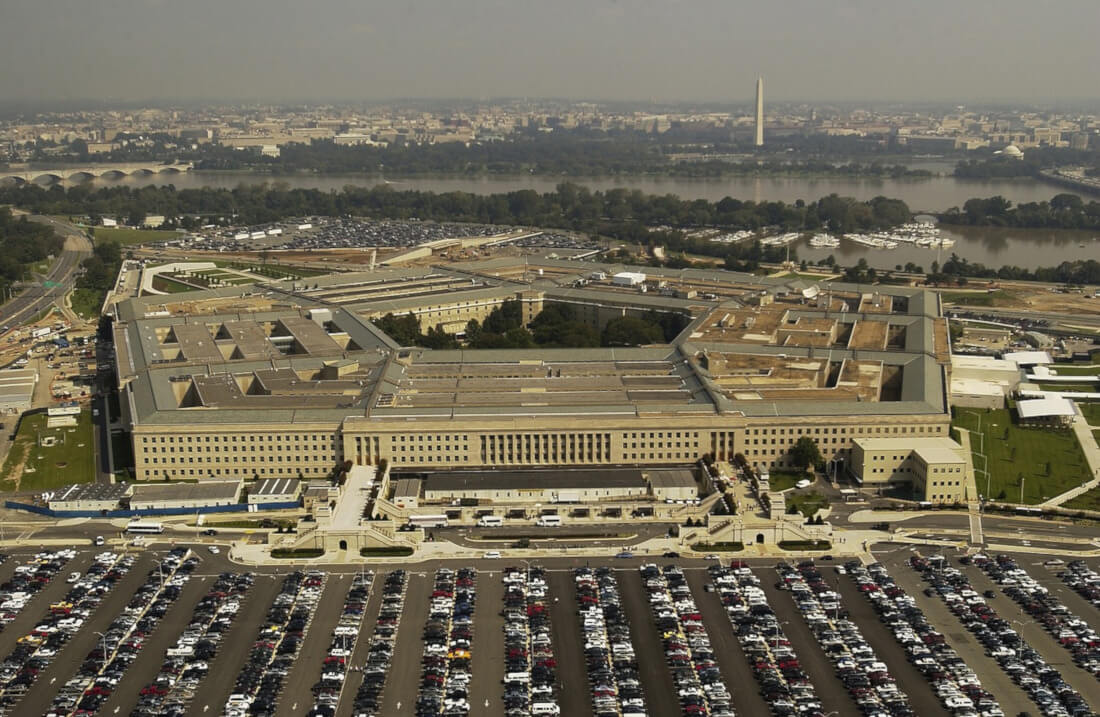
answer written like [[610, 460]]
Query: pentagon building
[[292, 379]]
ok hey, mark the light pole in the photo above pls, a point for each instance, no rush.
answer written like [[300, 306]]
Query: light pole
[[779, 632], [103, 647]]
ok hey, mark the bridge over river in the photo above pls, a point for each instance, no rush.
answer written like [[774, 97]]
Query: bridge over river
[[84, 173]]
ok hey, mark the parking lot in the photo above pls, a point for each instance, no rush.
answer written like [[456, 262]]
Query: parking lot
[[181, 634]]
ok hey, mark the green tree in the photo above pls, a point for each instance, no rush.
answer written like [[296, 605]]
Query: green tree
[[805, 453], [629, 331]]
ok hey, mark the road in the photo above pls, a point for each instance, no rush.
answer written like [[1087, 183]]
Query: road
[[35, 299]]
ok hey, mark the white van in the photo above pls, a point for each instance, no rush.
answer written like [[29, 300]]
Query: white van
[[549, 521], [545, 708], [490, 521]]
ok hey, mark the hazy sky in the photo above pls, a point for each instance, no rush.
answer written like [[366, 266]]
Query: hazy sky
[[819, 50]]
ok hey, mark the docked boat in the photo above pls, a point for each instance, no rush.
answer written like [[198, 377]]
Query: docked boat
[[824, 241]]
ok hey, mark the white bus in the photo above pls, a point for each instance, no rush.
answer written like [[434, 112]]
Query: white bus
[[490, 521], [139, 526], [428, 521]]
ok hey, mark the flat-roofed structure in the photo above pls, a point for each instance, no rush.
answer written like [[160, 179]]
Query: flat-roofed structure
[[17, 389], [575, 485], [205, 494], [275, 490], [1046, 411], [935, 468], [292, 379], [89, 496], [673, 484]]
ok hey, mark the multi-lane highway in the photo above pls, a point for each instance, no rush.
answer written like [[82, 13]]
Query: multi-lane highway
[[35, 299]]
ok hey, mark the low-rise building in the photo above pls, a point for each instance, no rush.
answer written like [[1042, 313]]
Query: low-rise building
[[1046, 412], [935, 468], [17, 389], [275, 490], [406, 492], [89, 496], [206, 494], [672, 484]]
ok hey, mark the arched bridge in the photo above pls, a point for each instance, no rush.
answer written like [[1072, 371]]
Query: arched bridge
[[80, 174]]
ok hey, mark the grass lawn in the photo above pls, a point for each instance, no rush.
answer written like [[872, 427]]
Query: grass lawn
[[976, 298], [732, 547], [171, 286], [1091, 411], [386, 552], [272, 271], [805, 545], [807, 503], [782, 480], [1048, 461], [1078, 387], [131, 237], [1087, 501], [1081, 369], [70, 462], [807, 277], [87, 302]]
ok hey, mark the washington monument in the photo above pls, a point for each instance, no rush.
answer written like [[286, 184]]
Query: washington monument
[[759, 111]]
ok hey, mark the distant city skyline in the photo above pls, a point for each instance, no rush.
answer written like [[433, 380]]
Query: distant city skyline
[[615, 50]]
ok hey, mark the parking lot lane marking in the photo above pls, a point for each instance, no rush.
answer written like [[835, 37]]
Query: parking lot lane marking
[[64, 665], [354, 677], [565, 632], [404, 678], [986, 668], [487, 666], [814, 661], [218, 684], [909, 679], [151, 657], [731, 658], [657, 684], [315, 644], [1054, 654]]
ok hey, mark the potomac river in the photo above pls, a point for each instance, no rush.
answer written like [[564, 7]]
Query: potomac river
[[989, 246]]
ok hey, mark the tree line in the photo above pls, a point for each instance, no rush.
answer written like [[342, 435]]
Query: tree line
[[1063, 211], [556, 326], [993, 166], [23, 243], [956, 269], [575, 151], [621, 214]]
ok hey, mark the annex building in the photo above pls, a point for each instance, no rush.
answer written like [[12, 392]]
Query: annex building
[[291, 379]]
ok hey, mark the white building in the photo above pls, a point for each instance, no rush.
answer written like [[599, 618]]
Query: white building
[[628, 278]]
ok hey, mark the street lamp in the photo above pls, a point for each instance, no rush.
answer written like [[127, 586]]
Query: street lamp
[[778, 633], [103, 647]]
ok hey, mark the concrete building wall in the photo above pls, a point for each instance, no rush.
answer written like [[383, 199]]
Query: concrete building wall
[[215, 451], [235, 451], [939, 481], [939, 476], [547, 494]]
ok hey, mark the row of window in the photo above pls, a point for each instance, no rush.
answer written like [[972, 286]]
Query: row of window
[[232, 438]]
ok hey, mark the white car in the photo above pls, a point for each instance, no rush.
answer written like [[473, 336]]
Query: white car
[[804, 483], [214, 550], [73, 577], [492, 554]]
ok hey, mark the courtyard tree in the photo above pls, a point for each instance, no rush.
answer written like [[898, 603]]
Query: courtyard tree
[[806, 453]]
